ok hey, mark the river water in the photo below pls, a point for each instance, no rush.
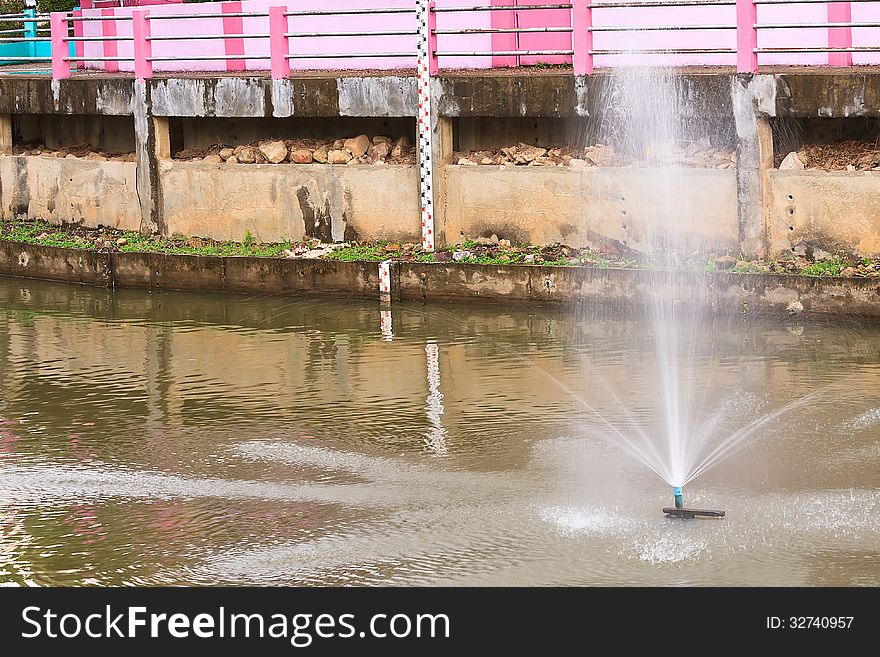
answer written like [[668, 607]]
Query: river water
[[180, 438]]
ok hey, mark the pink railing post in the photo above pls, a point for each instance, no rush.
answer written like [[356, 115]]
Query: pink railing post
[[746, 36], [110, 45], [504, 41], [60, 49], [840, 37], [582, 36], [233, 25], [433, 63], [143, 47], [80, 46], [279, 44]]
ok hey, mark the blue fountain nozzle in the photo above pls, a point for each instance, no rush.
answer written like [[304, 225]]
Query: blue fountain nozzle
[[679, 497]]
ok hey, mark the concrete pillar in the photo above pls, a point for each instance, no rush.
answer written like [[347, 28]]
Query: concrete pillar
[[754, 102], [5, 134], [441, 153], [162, 129], [146, 156]]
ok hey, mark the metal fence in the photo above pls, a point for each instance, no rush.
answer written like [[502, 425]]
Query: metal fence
[[489, 34], [24, 39]]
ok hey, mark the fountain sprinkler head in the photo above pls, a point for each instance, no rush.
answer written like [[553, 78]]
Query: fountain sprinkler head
[[678, 511]]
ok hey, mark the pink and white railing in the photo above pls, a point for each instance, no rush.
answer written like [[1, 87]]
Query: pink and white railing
[[282, 37]]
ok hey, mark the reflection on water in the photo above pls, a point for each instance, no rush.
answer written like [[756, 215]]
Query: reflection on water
[[183, 438]]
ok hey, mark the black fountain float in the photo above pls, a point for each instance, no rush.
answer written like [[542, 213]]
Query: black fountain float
[[678, 511]]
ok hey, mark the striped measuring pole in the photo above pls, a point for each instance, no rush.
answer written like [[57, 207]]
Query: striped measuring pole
[[426, 175]]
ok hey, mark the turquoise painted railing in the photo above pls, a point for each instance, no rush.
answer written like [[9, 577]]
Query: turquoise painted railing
[[26, 40]]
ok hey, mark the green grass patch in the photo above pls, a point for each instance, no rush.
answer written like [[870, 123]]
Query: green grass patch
[[45, 234], [375, 252], [831, 267], [747, 268]]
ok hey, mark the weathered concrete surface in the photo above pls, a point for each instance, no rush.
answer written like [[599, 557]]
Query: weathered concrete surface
[[391, 96], [834, 210], [245, 275], [829, 94], [754, 101], [29, 95], [160, 271], [289, 202], [720, 293], [591, 206], [816, 93], [75, 191], [148, 188], [55, 264], [562, 95], [303, 97]]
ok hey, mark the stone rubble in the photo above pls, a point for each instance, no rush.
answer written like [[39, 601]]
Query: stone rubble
[[597, 155], [76, 152], [844, 155], [361, 149], [791, 162]]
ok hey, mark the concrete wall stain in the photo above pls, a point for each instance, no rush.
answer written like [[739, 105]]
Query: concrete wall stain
[[317, 220]]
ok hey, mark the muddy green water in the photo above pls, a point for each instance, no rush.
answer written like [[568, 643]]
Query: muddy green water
[[208, 439]]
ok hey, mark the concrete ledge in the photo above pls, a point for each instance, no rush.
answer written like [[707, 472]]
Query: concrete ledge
[[56, 264], [241, 96], [279, 202], [42, 95], [719, 293], [75, 191], [837, 210], [821, 92], [830, 94]]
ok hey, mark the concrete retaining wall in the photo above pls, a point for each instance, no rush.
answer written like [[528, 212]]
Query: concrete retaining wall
[[278, 202], [722, 293], [586, 207], [579, 207], [837, 210], [77, 191]]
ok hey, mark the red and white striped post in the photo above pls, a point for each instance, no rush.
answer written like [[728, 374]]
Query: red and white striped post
[[582, 36], [143, 47], [433, 63], [279, 44], [385, 281], [746, 36], [840, 37], [60, 49]]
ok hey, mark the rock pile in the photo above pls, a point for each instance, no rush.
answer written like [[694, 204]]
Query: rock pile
[[599, 155], [357, 150], [80, 152], [846, 155]]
